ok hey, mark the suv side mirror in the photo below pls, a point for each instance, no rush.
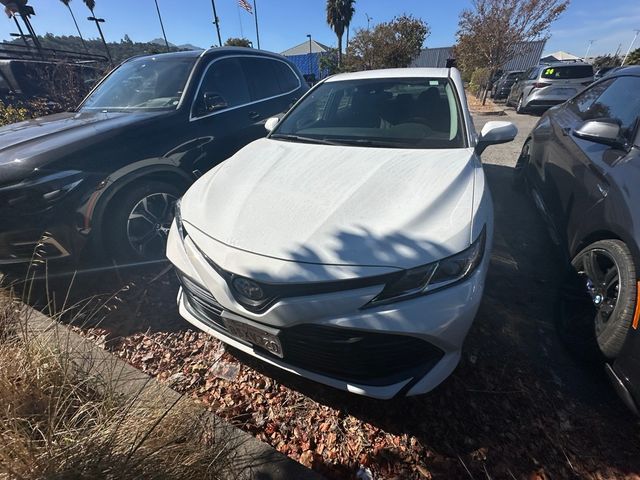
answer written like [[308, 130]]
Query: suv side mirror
[[494, 133], [603, 130], [213, 102], [271, 123]]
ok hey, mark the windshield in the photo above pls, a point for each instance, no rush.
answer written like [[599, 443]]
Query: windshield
[[568, 72], [150, 83], [390, 112]]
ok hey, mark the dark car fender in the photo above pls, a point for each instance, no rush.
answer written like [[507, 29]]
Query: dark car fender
[[93, 210]]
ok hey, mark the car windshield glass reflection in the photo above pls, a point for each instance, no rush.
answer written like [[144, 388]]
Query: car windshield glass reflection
[[142, 84], [400, 113]]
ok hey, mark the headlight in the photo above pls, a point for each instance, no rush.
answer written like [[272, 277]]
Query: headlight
[[40, 192], [178, 218], [433, 276]]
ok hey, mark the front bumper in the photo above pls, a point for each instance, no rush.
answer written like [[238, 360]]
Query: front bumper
[[409, 347]]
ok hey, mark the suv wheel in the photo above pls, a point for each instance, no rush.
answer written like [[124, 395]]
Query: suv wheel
[[520, 106], [139, 225], [598, 298]]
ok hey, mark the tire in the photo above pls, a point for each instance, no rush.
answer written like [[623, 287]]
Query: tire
[[519, 107], [598, 299], [137, 228]]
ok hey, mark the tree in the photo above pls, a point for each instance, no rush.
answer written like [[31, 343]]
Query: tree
[[607, 61], [634, 57], [490, 32], [388, 45], [91, 5], [348, 11], [339, 15], [67, 4], [238, 42]]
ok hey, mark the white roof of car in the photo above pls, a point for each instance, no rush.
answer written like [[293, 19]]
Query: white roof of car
[[392, 73]]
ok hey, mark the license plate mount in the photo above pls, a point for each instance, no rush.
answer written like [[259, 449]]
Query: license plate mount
[[265, 338]]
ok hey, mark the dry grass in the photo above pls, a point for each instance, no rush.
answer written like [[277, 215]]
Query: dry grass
[[475, 104], [58, 420]]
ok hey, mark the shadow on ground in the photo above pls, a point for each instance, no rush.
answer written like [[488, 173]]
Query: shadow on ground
[[517, 407]]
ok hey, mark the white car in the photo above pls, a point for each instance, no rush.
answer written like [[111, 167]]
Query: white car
[[351, 245]]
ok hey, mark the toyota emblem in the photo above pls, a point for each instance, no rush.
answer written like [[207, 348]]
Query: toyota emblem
[[248, 288]]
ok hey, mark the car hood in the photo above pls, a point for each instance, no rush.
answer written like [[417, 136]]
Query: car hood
[[337, 205], [31, 144]]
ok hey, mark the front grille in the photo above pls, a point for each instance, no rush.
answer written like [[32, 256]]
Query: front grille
[[350, 355], [205, 306], [354, 355]]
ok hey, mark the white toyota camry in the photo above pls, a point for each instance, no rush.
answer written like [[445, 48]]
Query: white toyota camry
[[351, 245]]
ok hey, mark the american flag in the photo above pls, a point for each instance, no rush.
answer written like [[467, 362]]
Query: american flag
[[246, 5]]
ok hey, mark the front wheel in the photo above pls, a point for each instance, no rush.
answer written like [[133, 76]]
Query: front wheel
[[520, 105], [138, 227], [598, 299]]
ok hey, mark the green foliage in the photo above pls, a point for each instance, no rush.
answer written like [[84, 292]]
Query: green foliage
[[238, 42], [479, 80], [634, 57], [329, 62], [391, 44], [120, 51], [12, 114], [607, 61]]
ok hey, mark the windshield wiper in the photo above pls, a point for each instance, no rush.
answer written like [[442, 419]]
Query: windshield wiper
[[298, 138], [365, 142]]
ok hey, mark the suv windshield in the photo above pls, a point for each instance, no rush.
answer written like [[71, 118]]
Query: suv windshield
[[390, 112], [150, 83], [567, 72]]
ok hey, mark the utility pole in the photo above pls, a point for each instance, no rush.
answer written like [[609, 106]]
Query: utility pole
[[630, 46], [216, 21], [588, 49], [98, 21], [368, 20], [255, 14], [310, 54], [162, 26]]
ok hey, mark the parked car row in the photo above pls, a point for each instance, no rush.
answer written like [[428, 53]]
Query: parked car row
[[581, 164], [321, 248], [102, 181]]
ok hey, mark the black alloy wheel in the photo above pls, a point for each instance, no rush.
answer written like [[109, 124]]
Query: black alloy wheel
[[598, 298], [138, 229]]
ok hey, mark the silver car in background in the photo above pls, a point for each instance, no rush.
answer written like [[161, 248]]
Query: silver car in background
[[547, 85]]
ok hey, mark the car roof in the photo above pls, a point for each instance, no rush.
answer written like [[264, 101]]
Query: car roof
[[565, 64], [626, 70], [392, 73]]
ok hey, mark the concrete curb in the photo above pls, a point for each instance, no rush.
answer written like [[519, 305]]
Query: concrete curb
[[496, 113], [255, 459]]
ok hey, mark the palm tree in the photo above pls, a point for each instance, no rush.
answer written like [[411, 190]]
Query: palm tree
[[66, 4], [339, 15], [91, 5], [348, 12], [335, 19]]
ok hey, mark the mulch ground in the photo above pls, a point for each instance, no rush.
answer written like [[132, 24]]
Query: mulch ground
[[497, 417]]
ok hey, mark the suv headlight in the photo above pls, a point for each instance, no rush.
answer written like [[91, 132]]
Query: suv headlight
[[41, 192], [433, 276]]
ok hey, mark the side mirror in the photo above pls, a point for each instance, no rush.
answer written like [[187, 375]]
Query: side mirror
[[603, 130], [494, 133], [213, 101], [271, 123]]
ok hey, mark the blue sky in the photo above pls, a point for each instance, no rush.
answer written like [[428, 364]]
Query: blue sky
[[285, 23]]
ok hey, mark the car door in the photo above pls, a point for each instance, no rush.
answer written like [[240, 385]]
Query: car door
[[274, 88], [222, 112], [577, 170], [518, 86]]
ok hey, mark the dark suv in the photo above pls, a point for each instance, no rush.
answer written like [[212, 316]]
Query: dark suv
[[107, 175]]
